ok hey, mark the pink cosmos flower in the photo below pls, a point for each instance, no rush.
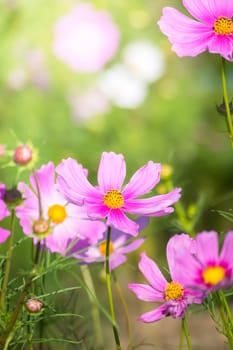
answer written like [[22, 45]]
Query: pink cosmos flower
[[174, 295], [211, 30], [207, 269], [119, 247], [86, 39], [55, 222], [108, 199], [4, 212]]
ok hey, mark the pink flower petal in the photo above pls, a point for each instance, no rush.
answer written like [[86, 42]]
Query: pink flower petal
[[112, 171], [152, 273], [200, 9], [72, 181], [120, 221], [207, 247], [188, 37], [151, 206], [143, 180], [227, 249], [222, 45], [4, 234], [154, 315], [145, 292]]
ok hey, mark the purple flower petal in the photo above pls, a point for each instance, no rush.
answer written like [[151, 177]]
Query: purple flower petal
[[120, 221], [4, 234]]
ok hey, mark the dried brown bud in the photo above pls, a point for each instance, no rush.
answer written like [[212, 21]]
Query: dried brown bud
[[40, 226]]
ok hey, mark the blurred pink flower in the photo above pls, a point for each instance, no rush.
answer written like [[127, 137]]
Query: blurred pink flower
[[211, 30], [86, 39]]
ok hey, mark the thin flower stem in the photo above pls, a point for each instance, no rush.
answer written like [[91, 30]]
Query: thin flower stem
[[95, 310], [186, 332], [109, 291], [7, 333], [8, 262], [124, 305], [226, 306], [225, 321], [226, 102]]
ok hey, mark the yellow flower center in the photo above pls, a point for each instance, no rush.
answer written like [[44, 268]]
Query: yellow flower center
[[102, 248], [173, 291], [57, 213], [213, 274], [113, 199], [223, 26]]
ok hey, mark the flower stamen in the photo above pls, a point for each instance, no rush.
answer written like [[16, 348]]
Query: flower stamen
[[113, 199], [223, 26], [173, 291], [57, 213], [213, 275], [102, 248]]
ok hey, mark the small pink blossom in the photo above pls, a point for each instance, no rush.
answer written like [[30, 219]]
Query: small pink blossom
[[86, 39], [211, 29], [110, 199]]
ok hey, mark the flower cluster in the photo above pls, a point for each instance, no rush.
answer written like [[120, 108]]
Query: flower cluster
[[196, 269]]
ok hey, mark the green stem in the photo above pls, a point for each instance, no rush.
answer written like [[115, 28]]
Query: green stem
[[226, 317], [226, 102], [124, 305], [8, 263], [109, 291], [186, 332], [95, 310]]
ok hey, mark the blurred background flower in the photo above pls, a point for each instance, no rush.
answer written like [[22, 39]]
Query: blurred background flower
[[86, 39]]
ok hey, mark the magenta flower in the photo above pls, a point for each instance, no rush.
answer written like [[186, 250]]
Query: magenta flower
[[86, 39], [175, 297], [4, 212], [55, 222], [212, 28], [108, 199], [206, 268], [119, 247]]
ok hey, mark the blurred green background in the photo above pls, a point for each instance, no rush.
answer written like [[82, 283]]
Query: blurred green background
[[177, 123]]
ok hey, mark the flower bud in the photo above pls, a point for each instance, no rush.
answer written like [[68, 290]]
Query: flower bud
[[12, 196], [40, 226], [22, 155], [34, 306]]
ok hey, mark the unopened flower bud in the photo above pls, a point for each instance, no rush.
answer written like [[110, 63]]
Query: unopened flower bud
[[40, 226], [12, 196], [22, 155], [33, 305]]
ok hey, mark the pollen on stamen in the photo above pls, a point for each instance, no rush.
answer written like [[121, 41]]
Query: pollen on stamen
[[223, 26], [173, 291], [113, 199], [213, 275], [102, 248], [57, 213]]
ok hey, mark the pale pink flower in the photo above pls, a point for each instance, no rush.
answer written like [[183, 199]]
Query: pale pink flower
[[86, 39]]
